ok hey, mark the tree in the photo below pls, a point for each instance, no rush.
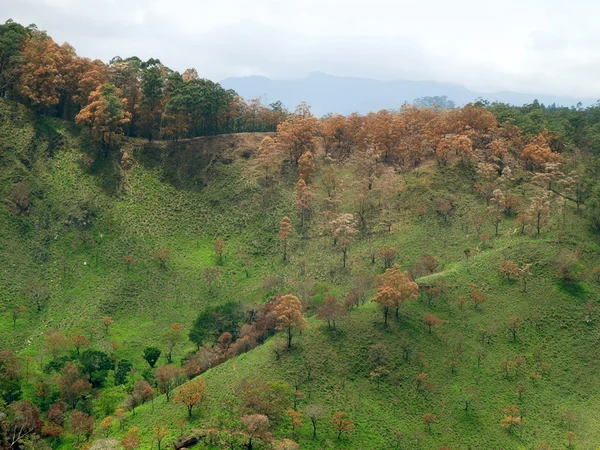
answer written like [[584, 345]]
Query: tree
[[268, 398], [387, 297], [267, 160], [81, 424], [219, 250], [191, 393], [478, 297], [509, 268], [12, 39], [39, 294], [537, 152], [406, 289], [106, 425], [314, 412], [342, 422], [303, 199], [70, 385], [162, 256], [141, 393], [131, 440], [288, 316], [96, 364], [56, 342], [18, 421], [331, 311], [152, 96], [167, 378], [568, 266], [16, 312], [172, 338], [285, 229], [151, 355], [512, 418], [343, 231], [296, 134], [105, 114], [496, 209], [524, 275], [79, 340], [107, 321], [295, 418], [159, 434], [539, 210], [388, 255], [306, 167], [257, 428], [432, 320], [514, 325], [41, 74], [428, 419]]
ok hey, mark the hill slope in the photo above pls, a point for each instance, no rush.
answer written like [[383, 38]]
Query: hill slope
[[87, 213]]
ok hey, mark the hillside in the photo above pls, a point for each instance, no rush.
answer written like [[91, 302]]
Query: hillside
[[90, 243]]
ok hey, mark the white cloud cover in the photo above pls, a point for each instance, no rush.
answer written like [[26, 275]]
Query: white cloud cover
[[537, 46]]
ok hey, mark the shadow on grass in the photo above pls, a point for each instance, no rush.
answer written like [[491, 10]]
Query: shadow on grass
[[575, 288]]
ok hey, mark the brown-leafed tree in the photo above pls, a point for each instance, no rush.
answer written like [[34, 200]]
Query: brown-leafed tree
[[431, 321], [401, 282], [168, 377], [344, 229], [267, 160], [191, 393], [387, 297], [306, 167], [81, 424], [219, 250], [41, 74], [509, 268], [331, 311], [537, 152], [257, 429], [342, 423], [539, 210], [303, 199], [428, 419], [285, 228], [514, 325], [388, 256], [106, 115], [131, 440], [296, 135], [288, 313]]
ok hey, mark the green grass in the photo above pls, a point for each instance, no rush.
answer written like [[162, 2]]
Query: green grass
[[186, 196]]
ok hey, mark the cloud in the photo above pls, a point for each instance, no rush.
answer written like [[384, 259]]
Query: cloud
[[539, 46]]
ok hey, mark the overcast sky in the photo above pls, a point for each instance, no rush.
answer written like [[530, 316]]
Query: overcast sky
[[536, 46]]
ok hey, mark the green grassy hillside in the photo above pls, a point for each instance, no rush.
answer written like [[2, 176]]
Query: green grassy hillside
[[86, 214]]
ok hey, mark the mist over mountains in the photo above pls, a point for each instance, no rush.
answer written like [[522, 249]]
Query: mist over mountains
[[334, 94]]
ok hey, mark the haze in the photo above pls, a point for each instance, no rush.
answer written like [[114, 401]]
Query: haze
[[524, 46]]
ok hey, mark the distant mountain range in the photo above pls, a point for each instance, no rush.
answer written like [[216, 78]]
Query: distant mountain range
[[332, 94]]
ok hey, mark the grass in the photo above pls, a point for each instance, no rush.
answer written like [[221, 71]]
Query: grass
[[185, 196]]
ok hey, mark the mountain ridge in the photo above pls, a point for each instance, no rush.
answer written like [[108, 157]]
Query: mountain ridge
[[346, 94]]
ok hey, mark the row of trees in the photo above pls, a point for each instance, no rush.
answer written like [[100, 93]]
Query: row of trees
[[131, 96]]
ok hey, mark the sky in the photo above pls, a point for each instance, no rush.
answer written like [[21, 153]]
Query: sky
[[534, 46]]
